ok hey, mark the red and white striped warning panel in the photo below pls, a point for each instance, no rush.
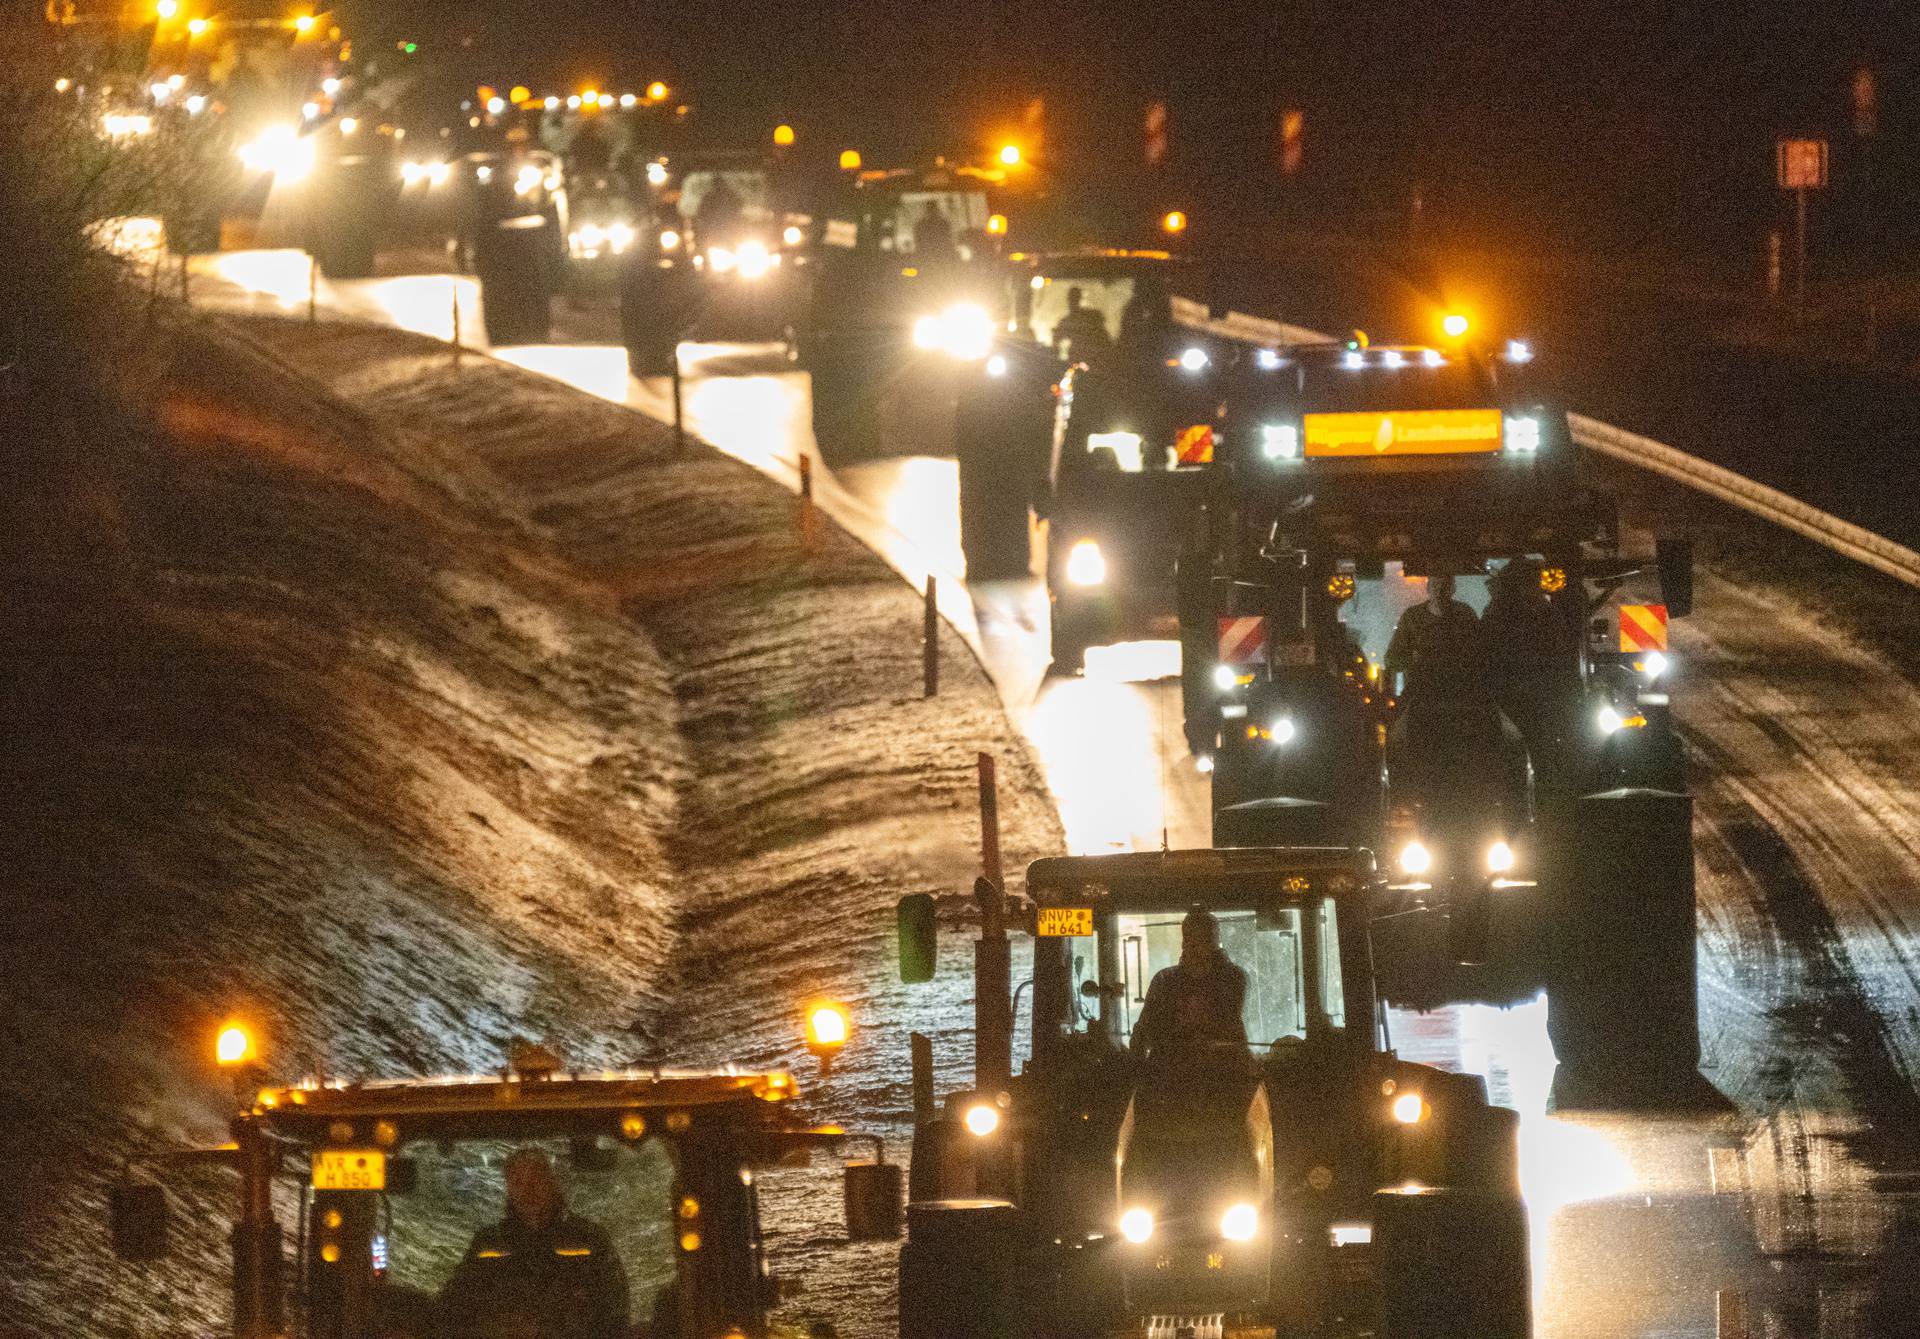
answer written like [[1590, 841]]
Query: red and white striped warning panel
[[1194, 445], [1243, 641], [1643, 627]]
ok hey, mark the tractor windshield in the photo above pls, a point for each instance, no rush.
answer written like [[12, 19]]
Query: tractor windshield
[[1289, 951], [489, 1237]]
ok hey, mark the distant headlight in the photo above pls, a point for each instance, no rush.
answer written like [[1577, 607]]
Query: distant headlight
[[1136, 1225], [792, 236], [527, 181], [280, 151], [997, 365], [1194, 359], [963, 331], [1280, 441], [1282, 730], [721, 260], [669, 239], [433, 174], [1522, 434], [982, 1119], [753, 260], [1415, 858], [656, 174], [1653, 664], [620, 236], [1240, 1222], [1086, 565], [1409, 1108], [1225, 678], [1500, 858]]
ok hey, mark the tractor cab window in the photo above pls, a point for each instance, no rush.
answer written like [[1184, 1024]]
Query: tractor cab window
[[1048, 304], [1290, 952], [919, 216], [489, 1237], [746, 186]]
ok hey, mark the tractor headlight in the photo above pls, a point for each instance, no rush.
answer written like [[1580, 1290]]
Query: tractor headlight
[[1086, 565], [1500, 858], [1240, 1222], [1521, 435], [1609, 720], [1282, 730], [1136, 1225], [982, 1119], [528, 180], [1225, 678], [997, 365], [1409, 1108], [669, 239], [1280, 441], [620, 236], [753, 259], [1193, 359], [963, 331], [1653, 664], [1415, 858]]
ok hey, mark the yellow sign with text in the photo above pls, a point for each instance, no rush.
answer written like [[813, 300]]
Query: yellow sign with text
[[1407, 432]]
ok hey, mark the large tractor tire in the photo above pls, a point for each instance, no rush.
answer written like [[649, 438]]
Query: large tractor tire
[[516, 289], [1452, 1264], [347, 210], [959, 1270], [846, 411], [1622, 984], [655, 307]]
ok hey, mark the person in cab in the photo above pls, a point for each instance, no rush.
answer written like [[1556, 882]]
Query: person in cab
[[1193, 1009], [541, 1272], [1435, 649], [1082, 333]]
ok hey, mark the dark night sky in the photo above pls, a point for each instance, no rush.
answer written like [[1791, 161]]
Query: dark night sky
[[1664, 113]]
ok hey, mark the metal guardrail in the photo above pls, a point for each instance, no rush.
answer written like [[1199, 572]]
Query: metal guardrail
[[1842, 537], [1829, 531]]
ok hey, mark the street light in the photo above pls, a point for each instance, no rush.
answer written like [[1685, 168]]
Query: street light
[[1010, 155], [166, 9]]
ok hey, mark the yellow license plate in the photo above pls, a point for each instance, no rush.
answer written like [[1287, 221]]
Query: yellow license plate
[[1418, 432], [1064, 922], [349, 1169]]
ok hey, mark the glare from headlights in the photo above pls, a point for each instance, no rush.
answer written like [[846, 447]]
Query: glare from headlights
[[1204, 764], [1128, 452], [1499, 858], [1280, 441], [982, 1119], [656, 174], [997, 365], [1282, 730], [1225, 678], [1409, 1108], [1193, 359], [1136, 1225], [792, 236], [1653, 664], [280, 151], [1609, 720], [1415, 858], [963, 331], [590, 237], [1519, 351], [669, 239], [620, 236], [754, 260], [1267, 359], [720, 259], [527, 181], [1086, 565], [1240, 1222]]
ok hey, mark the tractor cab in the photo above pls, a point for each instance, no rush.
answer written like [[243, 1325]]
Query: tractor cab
[[530, 1202]]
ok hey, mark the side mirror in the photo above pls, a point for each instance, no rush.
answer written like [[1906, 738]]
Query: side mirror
[[137, 1212], [919, 937], [873, 1200], [1674, 558]]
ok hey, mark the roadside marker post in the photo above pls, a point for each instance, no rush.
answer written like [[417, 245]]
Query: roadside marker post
[[456, 322], [679, 407], [186, 294], [313, 290], [809, 524], [930, 639], [1801, 165]]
